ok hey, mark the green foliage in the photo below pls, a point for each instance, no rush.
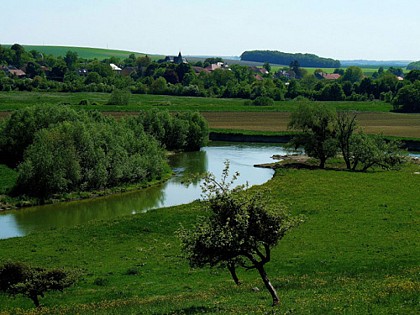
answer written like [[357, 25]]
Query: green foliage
[[119, 97], [408, 98], [352, 74], [370, 151], [263, 101], [88, 156], [19, 279], [317, 124], [238, 231], [281, 58], [19, 130], [415, 65], [181, 131]]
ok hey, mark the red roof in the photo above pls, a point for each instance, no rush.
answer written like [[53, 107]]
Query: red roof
[[331, 76]]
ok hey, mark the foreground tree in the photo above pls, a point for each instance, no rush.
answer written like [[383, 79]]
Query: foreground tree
[[318, 137], [19, 279], [239, 230], [346, 125]]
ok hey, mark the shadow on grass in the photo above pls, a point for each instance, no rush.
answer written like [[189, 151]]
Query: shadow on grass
[[192, 310]]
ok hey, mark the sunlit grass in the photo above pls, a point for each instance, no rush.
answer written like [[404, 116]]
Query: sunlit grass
[[355, 253]]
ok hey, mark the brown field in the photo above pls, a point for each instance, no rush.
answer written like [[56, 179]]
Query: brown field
[[389, 124]]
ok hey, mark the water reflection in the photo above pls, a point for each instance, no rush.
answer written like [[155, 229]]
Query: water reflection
[[174, 192]]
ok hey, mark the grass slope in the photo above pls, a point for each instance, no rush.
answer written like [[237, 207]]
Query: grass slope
[[356, 253], [84, 52]]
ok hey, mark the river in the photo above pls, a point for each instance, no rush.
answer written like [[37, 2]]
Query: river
[[242, 157]]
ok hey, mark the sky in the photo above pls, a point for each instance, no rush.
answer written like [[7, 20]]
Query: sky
[[339, 29]]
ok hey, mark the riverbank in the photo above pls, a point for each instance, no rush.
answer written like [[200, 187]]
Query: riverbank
[[354, 253], [232, 136]]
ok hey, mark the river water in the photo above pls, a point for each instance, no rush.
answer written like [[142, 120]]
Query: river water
[[242, 158]]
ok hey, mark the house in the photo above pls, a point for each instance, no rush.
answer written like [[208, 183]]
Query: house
[[331, 76], [13, 71], [215, 66], [259, 70], [175, 59], [115, 67]]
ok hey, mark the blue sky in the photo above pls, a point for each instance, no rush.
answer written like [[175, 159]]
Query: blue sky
[[341, 29]]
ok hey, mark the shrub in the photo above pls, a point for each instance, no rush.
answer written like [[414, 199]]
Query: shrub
[[119, 97], [263, 101]]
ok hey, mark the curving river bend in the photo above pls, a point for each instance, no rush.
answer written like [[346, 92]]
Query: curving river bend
[[242, 157]]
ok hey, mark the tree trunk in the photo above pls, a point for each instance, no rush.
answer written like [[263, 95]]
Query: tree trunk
[[232, 270], [268, 285], [34, 298]]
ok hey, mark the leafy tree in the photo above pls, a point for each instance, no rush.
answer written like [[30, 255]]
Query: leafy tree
[[370, 151], [346, 125], [353, 74], [71, 59], [408, 98], [267, 66], [318, 137], [413, 75], [239, 230], [19, 279], [332, 92]]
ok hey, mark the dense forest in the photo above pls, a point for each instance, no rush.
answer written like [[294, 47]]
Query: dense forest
[[282, 58], [32, 71], [57, 150]]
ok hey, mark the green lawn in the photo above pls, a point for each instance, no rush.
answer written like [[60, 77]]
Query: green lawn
[[356, 253], [15, 100]]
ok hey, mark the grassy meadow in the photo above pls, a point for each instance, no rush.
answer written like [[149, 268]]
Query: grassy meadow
[[355, 253]]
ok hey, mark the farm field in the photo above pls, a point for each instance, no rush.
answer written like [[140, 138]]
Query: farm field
[[355, 253], [374, 117]]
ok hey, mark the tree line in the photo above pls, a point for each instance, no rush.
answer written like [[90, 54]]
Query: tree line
[[144, 76], [282, 58], [58, 150]]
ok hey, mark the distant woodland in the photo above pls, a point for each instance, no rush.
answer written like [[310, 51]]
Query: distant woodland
[[281, 58]]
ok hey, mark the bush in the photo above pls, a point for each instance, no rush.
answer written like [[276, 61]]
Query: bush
[[119, 97], [263, 101]]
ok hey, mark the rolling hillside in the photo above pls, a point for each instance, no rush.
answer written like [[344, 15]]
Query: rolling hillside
[[84, 52]]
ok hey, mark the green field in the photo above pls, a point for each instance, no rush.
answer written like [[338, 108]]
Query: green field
[[84, 52], [374, 117], [14, 100], [355, 253]]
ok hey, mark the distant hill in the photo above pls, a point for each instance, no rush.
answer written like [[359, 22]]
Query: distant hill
[[414, 65], [84, 52], [282, 58], [375, 63]]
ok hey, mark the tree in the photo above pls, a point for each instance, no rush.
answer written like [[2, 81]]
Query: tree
[[239, 230], [346, 125], [369, 151], [267, 66], [318, 136], [408, 98], [19, 279], [71, 59], [353, 74]]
